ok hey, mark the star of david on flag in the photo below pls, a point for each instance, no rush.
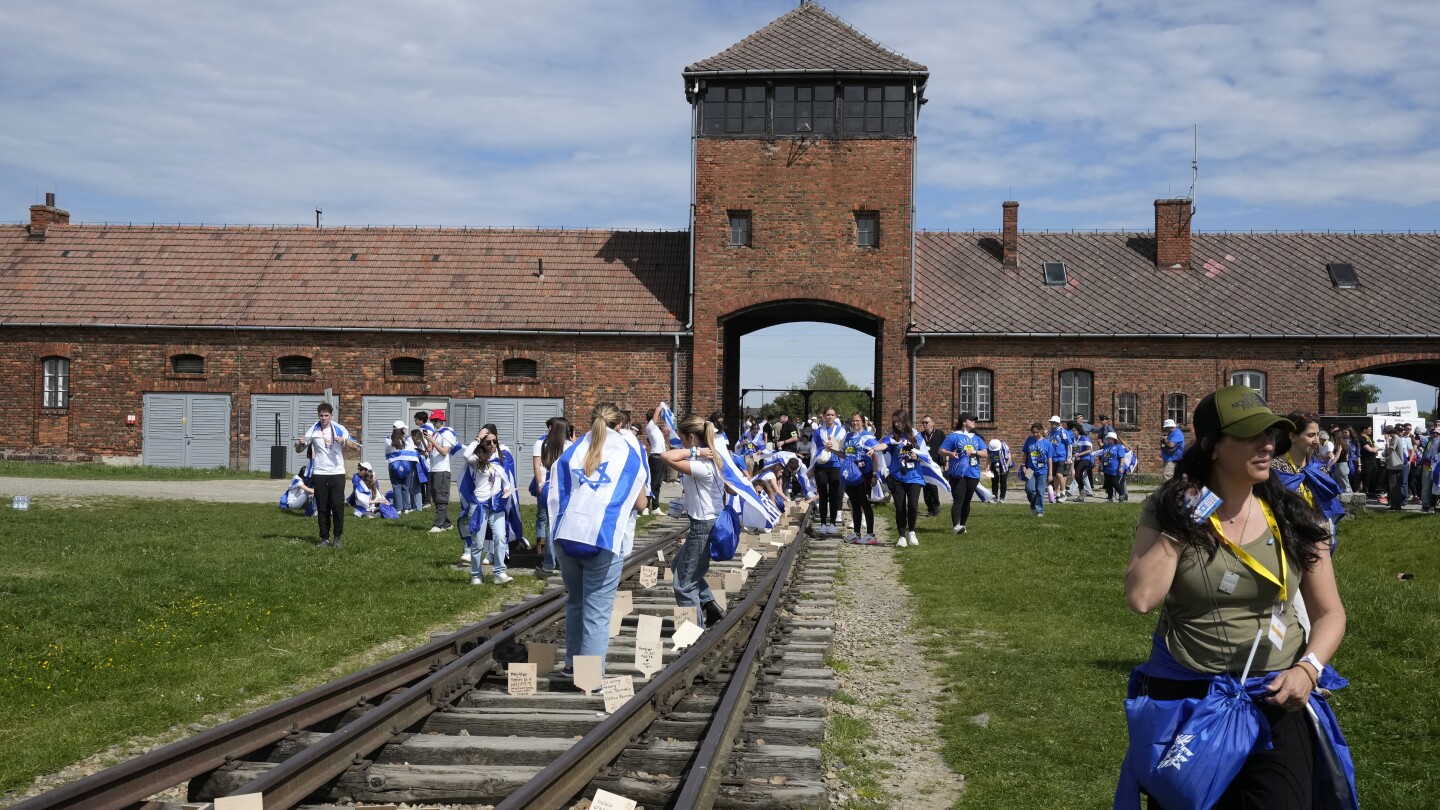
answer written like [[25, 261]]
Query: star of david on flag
[[601, 477]]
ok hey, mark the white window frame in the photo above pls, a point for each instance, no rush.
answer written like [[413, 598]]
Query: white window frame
[[1072, 388], [1127, 409], [57, 382], [1181, 413], [977, 394], [1248, 377]]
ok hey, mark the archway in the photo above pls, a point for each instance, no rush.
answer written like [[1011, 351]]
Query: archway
[[744, 322], [1420, 371]]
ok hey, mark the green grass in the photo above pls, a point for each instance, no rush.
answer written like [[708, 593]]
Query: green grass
[[109, 472], [843, 751], [126, 617], [1035, 633]]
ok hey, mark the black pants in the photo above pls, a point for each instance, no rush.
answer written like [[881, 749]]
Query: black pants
[[827, 483], [962, 490], [932, 500], [1083, 479], [860, 506], [907, 506], [1374, 478], [330, 504], [440, 483], [1397, 493], [657, 477], [1112, 486], [1279, 779], [1002, 483]]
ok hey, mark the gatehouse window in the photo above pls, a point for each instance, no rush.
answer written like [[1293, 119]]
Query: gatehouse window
[[520, 367], [977, 387], [801, 108], [295, 365], [407, 367], [734, 110], [1254, 379], [1127, 407], [867, 229], [805, 109], [875, 109], [1175, 408], [739, 229], [187, 364], [1076, 386], [57, 382]]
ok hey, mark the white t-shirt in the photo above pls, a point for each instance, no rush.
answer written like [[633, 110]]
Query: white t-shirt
[[656, 437], [444, 439], [705, 491], [327, 449]]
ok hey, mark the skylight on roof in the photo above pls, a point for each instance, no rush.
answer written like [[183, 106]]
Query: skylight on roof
[[1343, 276], [1056, 274]]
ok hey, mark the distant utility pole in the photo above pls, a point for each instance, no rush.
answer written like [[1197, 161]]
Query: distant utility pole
[[318, 212]]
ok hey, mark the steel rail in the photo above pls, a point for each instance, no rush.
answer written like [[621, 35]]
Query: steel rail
[[568, 774], [701, 784], [129, 782], [290, 782]]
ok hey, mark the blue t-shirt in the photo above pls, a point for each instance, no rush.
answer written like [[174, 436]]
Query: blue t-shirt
[[857, 447], [898, 470], [1177, 438], [1060, 441], [963, 466], [1083, 444], [1112, 459], [1037, 454]]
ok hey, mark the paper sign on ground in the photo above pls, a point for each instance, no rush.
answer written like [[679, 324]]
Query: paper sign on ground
[[522, 679], [683, 637], [249, 801], [684, 614], [624, 603], [744, 575], [541, 655], [733, 581], [666, 576], [587, 672], [752, 558], [605, 800], [649, 575], [660, 557], [616, 690], [719, 598], [647, 645], [715, 581], [617, 620]]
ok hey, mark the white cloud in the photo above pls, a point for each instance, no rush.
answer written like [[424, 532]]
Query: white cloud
[[568, 112]]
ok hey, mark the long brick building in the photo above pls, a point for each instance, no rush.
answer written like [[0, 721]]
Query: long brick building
[[199, 346]]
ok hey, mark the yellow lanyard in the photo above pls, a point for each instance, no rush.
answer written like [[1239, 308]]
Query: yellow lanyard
[[1252, 563], [1304, 490]]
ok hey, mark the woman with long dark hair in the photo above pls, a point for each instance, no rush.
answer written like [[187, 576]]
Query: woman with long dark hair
[[1225, 578], [902, 448], [547, 449], [1300, 469]]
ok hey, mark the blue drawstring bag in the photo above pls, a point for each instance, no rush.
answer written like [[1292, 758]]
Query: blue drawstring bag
[[534, 487], [850, 471], [725, 535], [387, 511], [1208, 747]]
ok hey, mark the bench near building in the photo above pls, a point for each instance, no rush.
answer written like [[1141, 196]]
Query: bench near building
[[195, 346]]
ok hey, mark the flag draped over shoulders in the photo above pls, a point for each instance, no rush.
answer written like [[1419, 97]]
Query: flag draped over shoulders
[[668, 417], [592, 509]]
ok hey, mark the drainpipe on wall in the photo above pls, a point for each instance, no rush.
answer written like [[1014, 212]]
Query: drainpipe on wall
[[914, 160], [914, 353], [694, 154], [675, 377]]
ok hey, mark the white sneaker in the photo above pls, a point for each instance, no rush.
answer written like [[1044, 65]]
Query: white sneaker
[[644, 512], [484, 559], [501, 579], [914, 541], [827, 528], [853, 538], [476, 581], [465, 558], [901, 543], [436, 530], [959, 527]]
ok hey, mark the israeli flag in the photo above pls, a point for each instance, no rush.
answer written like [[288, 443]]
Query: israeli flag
[[594, 509], [930, 470], [455, 446], [669, 419], [336, 429], [360, 498], [514, 526], [765, 513]]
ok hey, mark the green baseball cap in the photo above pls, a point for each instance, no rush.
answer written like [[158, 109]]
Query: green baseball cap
[[1239, 411]]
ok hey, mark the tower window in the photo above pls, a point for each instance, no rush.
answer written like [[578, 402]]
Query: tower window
[[734, 110], [867, 229], [805, 110], [740, 229], [875, 109]]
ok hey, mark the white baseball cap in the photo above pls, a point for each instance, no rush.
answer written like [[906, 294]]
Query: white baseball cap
[[1111, 435], [1168, 423], [1055, 419], [400, 425], [365, 465], [995, 444]]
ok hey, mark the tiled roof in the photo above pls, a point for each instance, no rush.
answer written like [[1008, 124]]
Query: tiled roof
[[353, 278], [1240, 284], [807, 39]]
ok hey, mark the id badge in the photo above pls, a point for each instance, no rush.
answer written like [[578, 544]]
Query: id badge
[[1203, 506], [1229, 581], [1277, 626]]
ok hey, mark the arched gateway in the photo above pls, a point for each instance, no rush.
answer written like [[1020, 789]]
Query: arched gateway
[[804, 162]]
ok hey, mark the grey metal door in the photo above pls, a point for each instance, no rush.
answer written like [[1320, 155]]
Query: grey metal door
[[380, 415], [296, 414], [186, 430], [519, 421]]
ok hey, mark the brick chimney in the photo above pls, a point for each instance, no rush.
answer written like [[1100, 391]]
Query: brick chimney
[[1172, 234], [43, 216], [1010, 234]]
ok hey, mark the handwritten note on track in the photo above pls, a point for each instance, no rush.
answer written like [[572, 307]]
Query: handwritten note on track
[[522, 679], [647, 645], [616, 690]]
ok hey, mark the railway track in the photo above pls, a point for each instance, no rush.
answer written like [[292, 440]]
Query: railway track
[[732, 720]]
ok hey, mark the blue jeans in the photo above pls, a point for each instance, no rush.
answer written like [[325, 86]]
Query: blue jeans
[[1405, 483], [691, 563], [590, 585], [416, 491], [494, 541], [542, 532], [463, 524], [400, 489], [1035, 492]]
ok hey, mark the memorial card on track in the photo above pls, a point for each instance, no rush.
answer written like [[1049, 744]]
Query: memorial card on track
[[752, 558], [649, 575], [683, 637], [617, 690], [605, 800], [248, 801], [522, 679], [541, 655], [647, 645], [587, 672]]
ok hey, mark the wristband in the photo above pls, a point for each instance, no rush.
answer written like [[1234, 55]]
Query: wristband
[[1313, 661]]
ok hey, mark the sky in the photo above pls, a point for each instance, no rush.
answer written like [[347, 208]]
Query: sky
[[1310, 115]]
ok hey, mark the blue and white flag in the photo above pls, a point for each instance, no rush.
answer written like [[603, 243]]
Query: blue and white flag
[[594, 509], [739, 483], [514, 526], [401, 461], [337, 432], [669, 419], [360, 497], [930, 469]]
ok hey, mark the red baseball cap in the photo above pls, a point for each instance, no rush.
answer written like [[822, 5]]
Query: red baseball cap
[[438, 413]]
